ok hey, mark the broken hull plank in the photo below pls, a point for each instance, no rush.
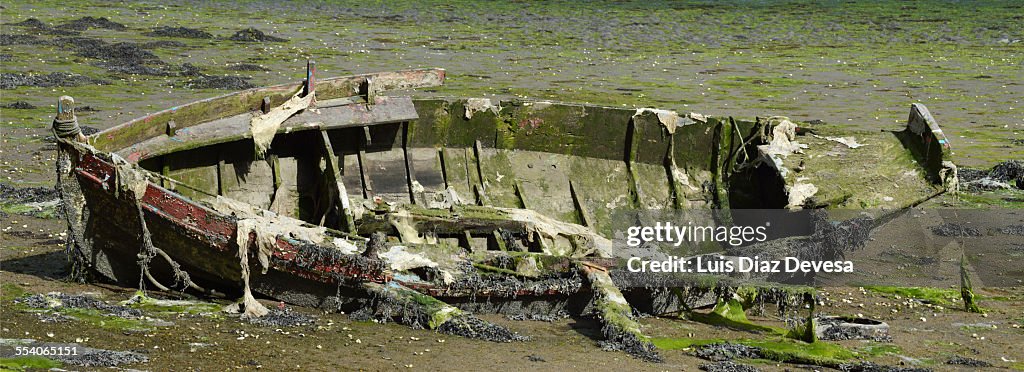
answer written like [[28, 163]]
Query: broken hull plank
[[387, 110], [211, 230], [238, 103]]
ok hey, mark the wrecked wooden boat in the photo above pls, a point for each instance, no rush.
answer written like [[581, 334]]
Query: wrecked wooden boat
[[332, 194]]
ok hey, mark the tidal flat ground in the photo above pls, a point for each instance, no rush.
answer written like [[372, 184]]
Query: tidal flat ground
[[854, 63]]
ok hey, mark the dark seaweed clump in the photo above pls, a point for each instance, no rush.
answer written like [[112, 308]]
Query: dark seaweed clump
[[728, 351], [55, 79], [1002, 176], [182, 32], [20, 39], [473, 327], [162, 44], [41, 301], [31, 23], [254, 35], [555, 316], [1013, 230], [247, 67], [727, 366], [965, 361], [27, 194], [14, 195], [954, 229], [219, 82], [123, 57], [86, 23], [281, 318], [472, 282], [38, 26], [91, 357], [618, 340], [19, 105]]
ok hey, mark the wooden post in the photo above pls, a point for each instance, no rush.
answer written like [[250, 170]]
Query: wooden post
[[65, 125]]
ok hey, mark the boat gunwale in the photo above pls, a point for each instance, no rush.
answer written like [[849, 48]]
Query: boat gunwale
[[391, 80]]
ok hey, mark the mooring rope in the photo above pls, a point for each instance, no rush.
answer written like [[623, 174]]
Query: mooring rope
[[66, 127]]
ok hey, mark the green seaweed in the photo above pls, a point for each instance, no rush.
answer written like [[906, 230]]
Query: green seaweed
[[730, 314], [99, 319], [936, 296], [876, 349], [777, 349], [23, 363], [10, 291]]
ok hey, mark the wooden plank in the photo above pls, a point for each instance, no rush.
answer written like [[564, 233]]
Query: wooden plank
[[676, 191], [339, 194], [141, 129], [632, 148], [585, 218], [220, 176], [444, 167], [519, 194], [386, 172], [456, 173], [387, 110], [410, 173], [364, 173], [275, 169]]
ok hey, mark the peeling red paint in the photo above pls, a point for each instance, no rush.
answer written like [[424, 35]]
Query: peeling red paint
[[214, 229]]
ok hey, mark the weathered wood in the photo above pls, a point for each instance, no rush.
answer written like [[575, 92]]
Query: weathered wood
[[721, 164], [165, 171], [632, 147], [276, 199], [364, 164], [477, 153], [220, 175], [410, 173], [580, 208], [468, 238], [519, 194], [195, 113], [550, 235], [671, 168], [444, 167], [342, 115], [339, 196]]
